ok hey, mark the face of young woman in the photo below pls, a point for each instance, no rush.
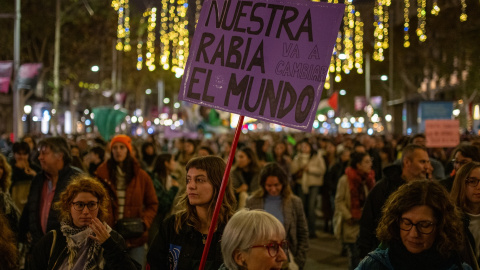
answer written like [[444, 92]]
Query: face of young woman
[[305, 148], [84, 217], [258, 258], [199, 187], [189, 148], [280, 149], [366, 165], [473, 193], [242, 159], [273, 186], [460, 160], [119, 151], [170, 165], [413, 239]]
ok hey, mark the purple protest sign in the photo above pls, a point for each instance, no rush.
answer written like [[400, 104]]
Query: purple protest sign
[[265, 59]]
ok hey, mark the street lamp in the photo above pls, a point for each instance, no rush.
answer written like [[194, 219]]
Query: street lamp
[[27, 109], [95, 68]]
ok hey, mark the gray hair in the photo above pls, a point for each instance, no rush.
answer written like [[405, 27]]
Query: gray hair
[[247, 228], [57, 145]]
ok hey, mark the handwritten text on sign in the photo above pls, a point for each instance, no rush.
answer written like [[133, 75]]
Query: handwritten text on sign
[[442, 133], [266, 59]]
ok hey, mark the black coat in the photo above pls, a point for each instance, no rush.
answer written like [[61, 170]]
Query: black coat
[[114, 253], [30, 219], [184, 249], [372, 210]]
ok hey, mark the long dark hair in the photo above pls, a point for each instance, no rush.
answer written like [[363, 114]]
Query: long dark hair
[[273, 169], [128, 166], [253, 166], [215, 168], [160, 169]]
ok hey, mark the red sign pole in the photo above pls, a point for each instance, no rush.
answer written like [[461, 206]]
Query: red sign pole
[[211, 230]]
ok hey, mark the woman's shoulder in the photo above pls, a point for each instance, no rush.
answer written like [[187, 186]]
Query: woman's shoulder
[[376, 260]]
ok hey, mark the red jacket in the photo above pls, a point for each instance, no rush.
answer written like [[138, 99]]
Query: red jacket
[[140, 200]]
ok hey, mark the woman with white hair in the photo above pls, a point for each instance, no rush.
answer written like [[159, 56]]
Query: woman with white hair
[[253, 240]]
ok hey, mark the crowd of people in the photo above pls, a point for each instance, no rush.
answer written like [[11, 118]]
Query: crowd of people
[[146, 203]]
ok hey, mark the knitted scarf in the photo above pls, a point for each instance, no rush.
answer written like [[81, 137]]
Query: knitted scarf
[[76, 238], [356, 181]]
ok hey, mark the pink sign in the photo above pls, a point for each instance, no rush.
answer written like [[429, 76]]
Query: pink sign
[[5, 75], [265, 59], [442, 133]]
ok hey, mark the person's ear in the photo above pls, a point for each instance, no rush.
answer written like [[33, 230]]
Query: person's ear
[[239, 257]]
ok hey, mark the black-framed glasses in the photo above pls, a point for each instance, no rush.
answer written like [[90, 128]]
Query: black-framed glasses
[[424, 227], [460, 162], [472, 181], [273, 247], [79, 206]]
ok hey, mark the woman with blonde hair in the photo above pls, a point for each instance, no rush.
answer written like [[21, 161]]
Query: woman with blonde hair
[[85, 241], [7, 205], [181, 239], [10, 258]]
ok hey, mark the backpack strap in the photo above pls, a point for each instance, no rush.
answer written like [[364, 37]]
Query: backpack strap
[[54, 232]]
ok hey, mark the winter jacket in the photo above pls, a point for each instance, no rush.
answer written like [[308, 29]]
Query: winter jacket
[[346, 232], [469, 249], [30, 219], [140, 201], [316, 170], [184, 249], [295, 225], [372, 210], [237, 179], [380, 260], [46, 258]]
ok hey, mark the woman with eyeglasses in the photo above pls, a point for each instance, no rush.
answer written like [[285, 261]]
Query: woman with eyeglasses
[[420, 228], [254, 240], [466, 194], [85, 241], [463, 154]]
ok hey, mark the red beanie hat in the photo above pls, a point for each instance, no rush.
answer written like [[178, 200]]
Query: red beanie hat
[[122, 139]]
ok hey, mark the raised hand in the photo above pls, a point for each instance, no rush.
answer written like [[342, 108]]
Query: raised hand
[[100, 233]]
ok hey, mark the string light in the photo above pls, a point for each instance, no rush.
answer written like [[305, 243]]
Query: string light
[[151, 15], [139, 54], [358, 43], [174, 40], [406, 24], [435, 8], [421, 15], [123, 24], [127, 47], [338, 61], [463, 16], [348, 29], [348, 50], [380, 33]]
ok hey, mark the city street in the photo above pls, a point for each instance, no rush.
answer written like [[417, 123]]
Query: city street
[[324, 253]]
